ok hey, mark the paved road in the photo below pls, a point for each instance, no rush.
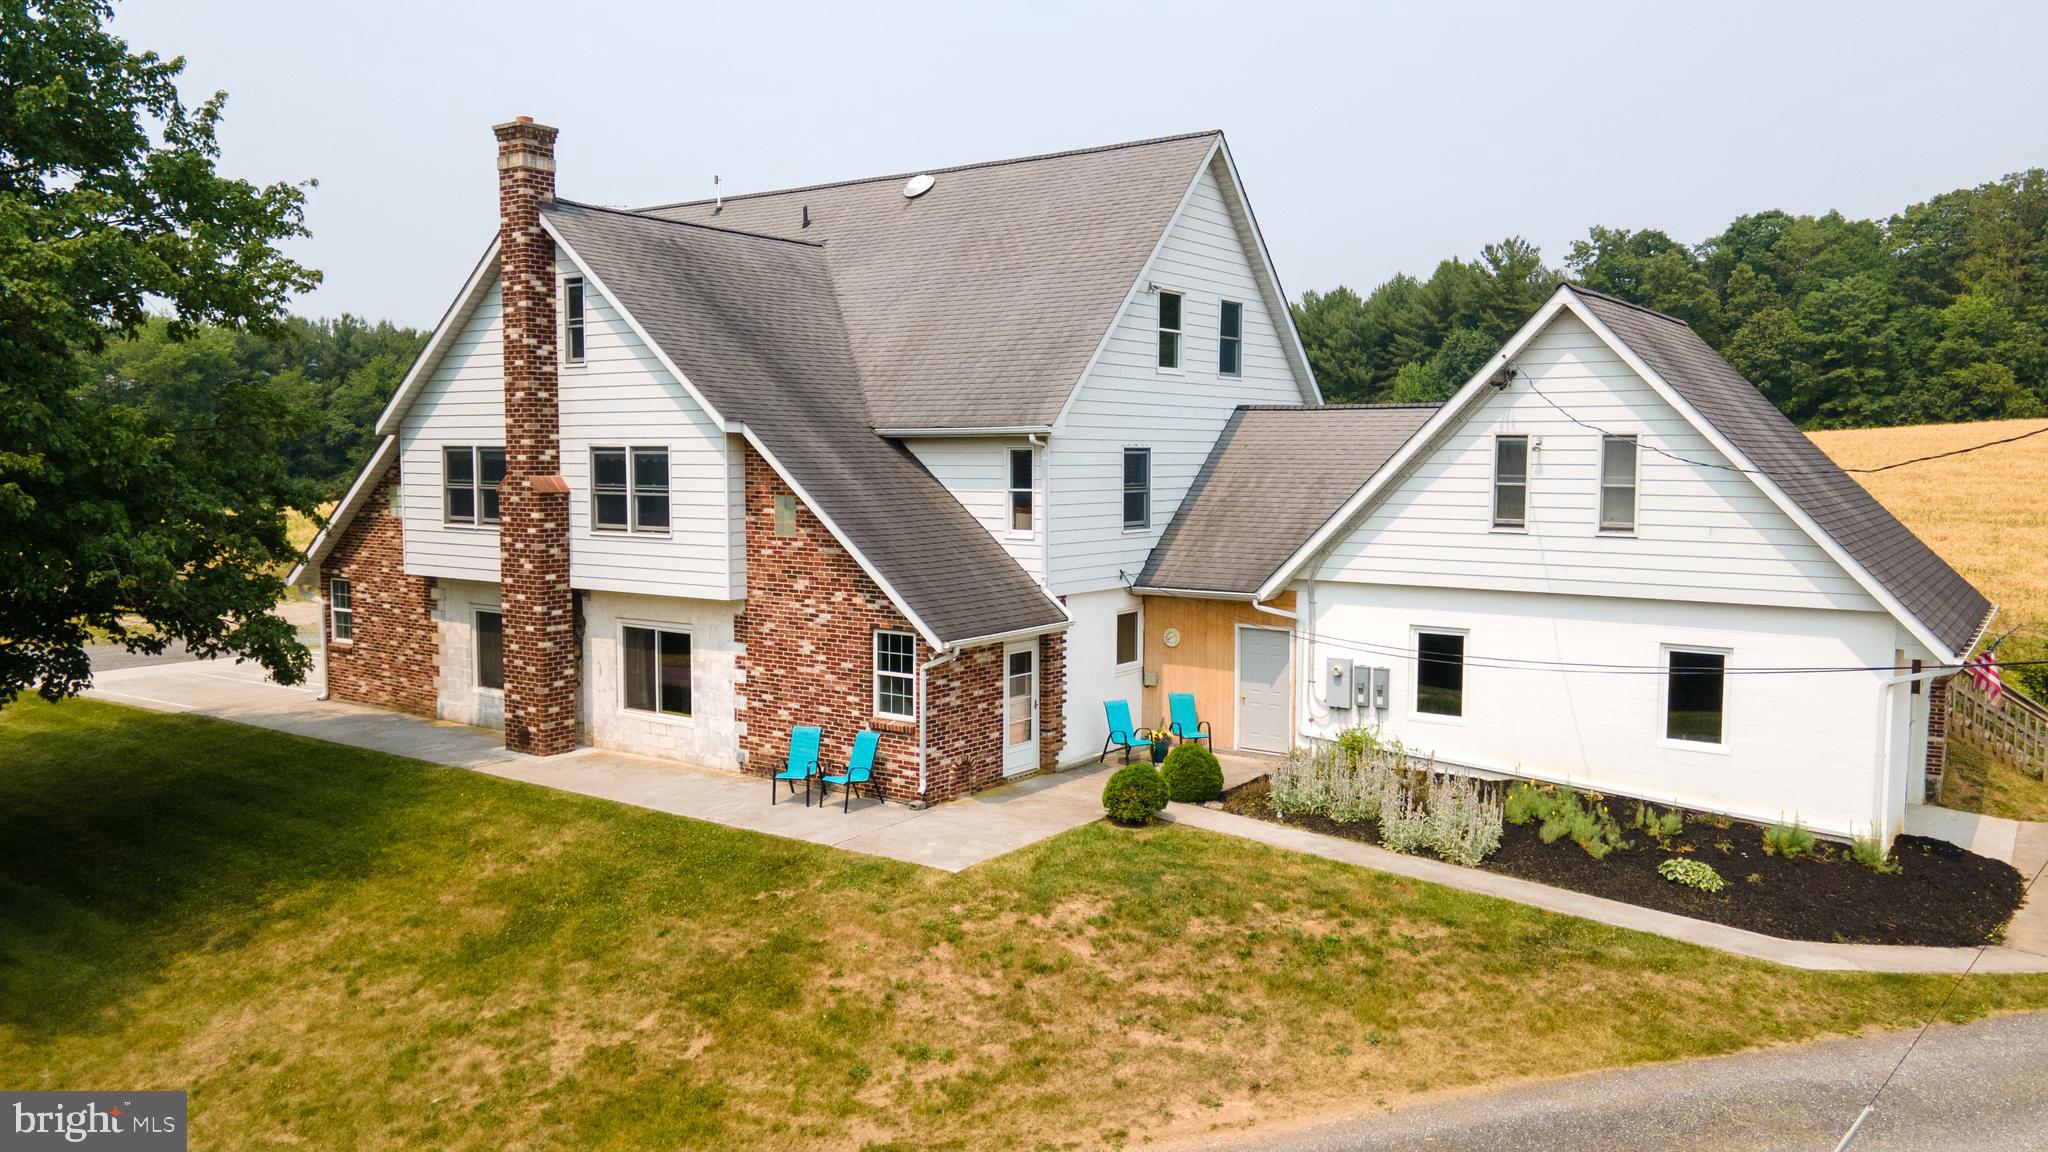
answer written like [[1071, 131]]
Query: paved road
[[107, 657], [1981, 1087]]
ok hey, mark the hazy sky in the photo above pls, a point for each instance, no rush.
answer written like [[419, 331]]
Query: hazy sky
[[1373, 139]]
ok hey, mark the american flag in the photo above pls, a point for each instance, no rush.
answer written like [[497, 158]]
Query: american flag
[[1984, 670]]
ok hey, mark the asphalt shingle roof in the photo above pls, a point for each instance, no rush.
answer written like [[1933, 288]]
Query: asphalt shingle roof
[[753, 323], [1933, 592], [979, 303], [1275, 475]]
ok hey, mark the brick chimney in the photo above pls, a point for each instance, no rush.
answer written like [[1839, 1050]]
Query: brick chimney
[[533, 532]]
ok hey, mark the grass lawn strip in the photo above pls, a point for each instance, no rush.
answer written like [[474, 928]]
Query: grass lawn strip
[[338, 948]]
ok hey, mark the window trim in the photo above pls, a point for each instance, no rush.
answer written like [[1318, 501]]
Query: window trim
[[1635, 488], [632, 490], [656, 714], [1224, 339], [1493, 492], [477, 488], [1011, 491], [576, 327], [1179, 366], [1415, 634], [476, 647], [875, 673], [1664, 737], [1116, 622], [334, 612], [1125, 489]]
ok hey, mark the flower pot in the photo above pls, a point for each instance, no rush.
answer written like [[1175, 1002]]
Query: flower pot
[[1159, 750]]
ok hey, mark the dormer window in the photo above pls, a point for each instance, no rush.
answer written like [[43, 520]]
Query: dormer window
[[572, 320]]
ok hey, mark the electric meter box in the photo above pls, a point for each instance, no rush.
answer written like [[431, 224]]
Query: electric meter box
[[1338, 679]]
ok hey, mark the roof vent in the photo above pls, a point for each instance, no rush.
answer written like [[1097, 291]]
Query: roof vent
[[918, 185]]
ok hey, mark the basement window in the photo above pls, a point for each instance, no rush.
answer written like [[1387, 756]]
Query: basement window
[[896, 675], [572, 320], [1230, 340], [341, 612], [490, 650], [629, 489], [1693, 698], [1510, 481], [657, 670], [1020, 489], [1169, 330]]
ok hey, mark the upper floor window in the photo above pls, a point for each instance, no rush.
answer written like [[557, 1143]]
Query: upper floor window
[[341, 610], [490, 649], [1230, 340], [1618, 483], [896, 675], [1137, 488], [572, 320], [1169, 329], [1693, 698], [470, 477], [1510, 481], [1020, 489], [629, 489]]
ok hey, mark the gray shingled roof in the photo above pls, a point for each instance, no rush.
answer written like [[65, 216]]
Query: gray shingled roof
[[1931, 590], [1275, 475], [979, 303], [753, 323]]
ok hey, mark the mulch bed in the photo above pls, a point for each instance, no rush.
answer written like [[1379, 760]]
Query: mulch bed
[[1945, 896]]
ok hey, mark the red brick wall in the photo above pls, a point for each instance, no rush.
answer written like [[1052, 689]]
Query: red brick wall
[[1937, 734], [1052, 698], [533, 538], [393, 658]]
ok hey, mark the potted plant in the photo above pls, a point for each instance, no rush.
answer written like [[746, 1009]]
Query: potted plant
[[1162, 741]]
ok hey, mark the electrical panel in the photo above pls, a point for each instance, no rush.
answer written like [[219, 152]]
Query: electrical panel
[[1338, 678], [1372, 690]]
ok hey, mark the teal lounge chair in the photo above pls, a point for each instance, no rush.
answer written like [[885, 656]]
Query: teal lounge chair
[[1183, 723], [1122, 733], [803, 762], [860, 769]]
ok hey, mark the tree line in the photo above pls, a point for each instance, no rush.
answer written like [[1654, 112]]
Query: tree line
[[1937, 314]]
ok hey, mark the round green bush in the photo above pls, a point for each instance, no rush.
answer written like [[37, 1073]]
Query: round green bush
[[1133, 794], [1192, 774]]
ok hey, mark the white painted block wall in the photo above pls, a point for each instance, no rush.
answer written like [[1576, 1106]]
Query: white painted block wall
[[1092, 672], [710, 735], [457, 695]]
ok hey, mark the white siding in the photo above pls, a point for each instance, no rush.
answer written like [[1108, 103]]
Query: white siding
[[1702, 533], [458, 698], [1804, 746], [461, 403], [976, 470], [621, 396], [710, 735], [1092, 673], [1126, 399]]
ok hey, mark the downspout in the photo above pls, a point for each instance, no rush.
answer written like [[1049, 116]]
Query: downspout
[[1045, 534], [326, 674], [923, 682]]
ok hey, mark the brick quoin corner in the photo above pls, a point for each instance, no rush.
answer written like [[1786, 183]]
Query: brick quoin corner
[[808, 658], [392, 661]]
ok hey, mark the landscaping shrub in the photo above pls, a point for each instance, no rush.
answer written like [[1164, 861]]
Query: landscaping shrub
[[1561, 815], [1358, 778], [1133, 794], [1462, 820], [1192, 774], [1692, 873], [1870, 852], [1788, 840], [1663, 827]]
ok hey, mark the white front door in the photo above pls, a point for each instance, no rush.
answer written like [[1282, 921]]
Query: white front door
[[1020, 708], [1263, 724]]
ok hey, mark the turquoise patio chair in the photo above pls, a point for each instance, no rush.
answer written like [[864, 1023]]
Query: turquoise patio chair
[[1182, 722], [860, 769], [1122, 733], [803, 762]]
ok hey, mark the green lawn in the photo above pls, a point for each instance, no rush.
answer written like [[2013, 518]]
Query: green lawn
[[340, 949]]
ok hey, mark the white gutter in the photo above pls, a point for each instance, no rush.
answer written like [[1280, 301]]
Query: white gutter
[[913, 433], [923, 682], [1015, 633]]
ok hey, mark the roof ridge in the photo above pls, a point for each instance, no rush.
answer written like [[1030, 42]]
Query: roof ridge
[[1594, 292], [1061, 155], [631, 214]]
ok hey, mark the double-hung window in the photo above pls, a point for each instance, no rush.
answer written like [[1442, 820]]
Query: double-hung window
[[572, 320], [1169, 329], [1230, 340], [1510, 481], [1693, 698], [896, 675], [629, 489], [1137, 489], [1440, 673], [470, 477], [657, 672], [341, 610], [1020, 489], [1617, 483], [490, 649]]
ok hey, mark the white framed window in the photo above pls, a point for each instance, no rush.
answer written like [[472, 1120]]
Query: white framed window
[[1439, 673], [629, 489], [470, 478], [1618, 457], [1230, 340], [1020, 489], [1694, 696], [1510, 481], [896, 675], [490, 649], [341, 610], [1129, 639], [1169, 330], [1137, 489], [572, 320], [655, 670]]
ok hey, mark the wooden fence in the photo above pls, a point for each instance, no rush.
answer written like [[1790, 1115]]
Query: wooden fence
[[2016, 730]]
